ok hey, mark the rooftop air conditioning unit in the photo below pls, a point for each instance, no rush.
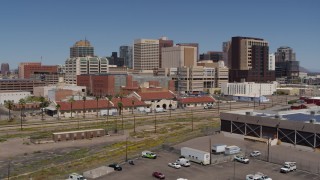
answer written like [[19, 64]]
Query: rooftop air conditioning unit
[[278, 116], [312, 121], [249, 113]]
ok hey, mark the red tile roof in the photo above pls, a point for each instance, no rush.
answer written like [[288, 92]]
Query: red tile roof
[[127, 102], [202, 99], [89, 104], [145, 96]]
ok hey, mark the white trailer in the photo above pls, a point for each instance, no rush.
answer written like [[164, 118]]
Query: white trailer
[[195, 155], [232, 150], [218, 148]]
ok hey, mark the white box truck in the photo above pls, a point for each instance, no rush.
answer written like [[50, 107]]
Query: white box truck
[[195, 155], [232, 150], [218, 148]]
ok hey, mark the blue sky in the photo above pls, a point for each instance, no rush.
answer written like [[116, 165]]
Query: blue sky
[[33, 28]]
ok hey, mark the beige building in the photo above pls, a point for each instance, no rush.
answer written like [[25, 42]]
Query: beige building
[[146, 54], [179, 56], [246, 51], [84, 65], [221, 71]]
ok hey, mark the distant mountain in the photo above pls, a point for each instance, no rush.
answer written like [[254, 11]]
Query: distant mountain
[[302, 69]]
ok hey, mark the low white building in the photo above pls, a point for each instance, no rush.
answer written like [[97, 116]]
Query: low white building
[[249, 88], [14, 96], [153, 100]]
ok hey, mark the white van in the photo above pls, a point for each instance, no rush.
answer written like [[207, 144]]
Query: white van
[[232, 150]]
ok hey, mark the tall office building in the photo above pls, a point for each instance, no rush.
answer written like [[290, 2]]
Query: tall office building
[[126, 54], [4, 69], [84, 65], [215, 56], [226, 50], [163, 43], [286, 64], [179, 56], [249, 60], [191, 44], [285, 53], [272, 62], [81, 48], [146, 54]]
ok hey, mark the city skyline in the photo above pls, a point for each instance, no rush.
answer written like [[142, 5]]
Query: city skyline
[[44, 30]]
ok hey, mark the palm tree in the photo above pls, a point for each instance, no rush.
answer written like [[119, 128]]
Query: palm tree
[[132, 102], [22, 103], [97, 99], [120, 105], [71, 100], [43, 104], [9, 105], [84, 106], [58, 110], [109, 98]]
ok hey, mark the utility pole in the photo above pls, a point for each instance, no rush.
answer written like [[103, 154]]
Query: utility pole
[[9, 170], [155, 122], [230, 105], [134, 123], [122, 122], [191, 120], [268, 148], [126, 149], [210, 149], [218, 105]]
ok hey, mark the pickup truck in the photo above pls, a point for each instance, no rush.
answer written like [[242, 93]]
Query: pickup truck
[[288, 167], [241, 159]]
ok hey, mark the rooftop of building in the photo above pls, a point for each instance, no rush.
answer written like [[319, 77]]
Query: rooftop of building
[[301, 115]]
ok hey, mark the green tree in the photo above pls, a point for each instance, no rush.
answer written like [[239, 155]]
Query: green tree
[[58, 110], [71, 101], [43, 104], [97, 99], [9, 105], [120, 105], [84, 98], [22, 104]]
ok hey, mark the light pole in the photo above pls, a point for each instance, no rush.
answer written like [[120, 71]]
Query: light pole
[[126, 149], [134, 123], [230, 106], [268, 148], [155, 122], [191, 120]]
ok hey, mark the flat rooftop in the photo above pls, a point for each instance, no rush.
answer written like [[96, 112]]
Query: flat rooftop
[[302, 115]]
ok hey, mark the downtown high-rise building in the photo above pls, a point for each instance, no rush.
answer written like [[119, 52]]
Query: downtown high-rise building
[[179, 56], [249, 60], [81, 48], [146, 54], [84, 65], [5, 69], [163, 43], [192, 45], [287, 67], [126, 53]]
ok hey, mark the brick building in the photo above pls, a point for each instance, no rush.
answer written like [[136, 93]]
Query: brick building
[[28, 69]]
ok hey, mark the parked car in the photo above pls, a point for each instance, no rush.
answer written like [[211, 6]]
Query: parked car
[[174, 165], [263, 176], [255, 153], [148, 154], [158, 175], [75, 176], [116, 166], [241, 159]]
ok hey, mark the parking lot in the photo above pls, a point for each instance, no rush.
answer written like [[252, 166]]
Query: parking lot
[[223, 170], [144, 168]]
